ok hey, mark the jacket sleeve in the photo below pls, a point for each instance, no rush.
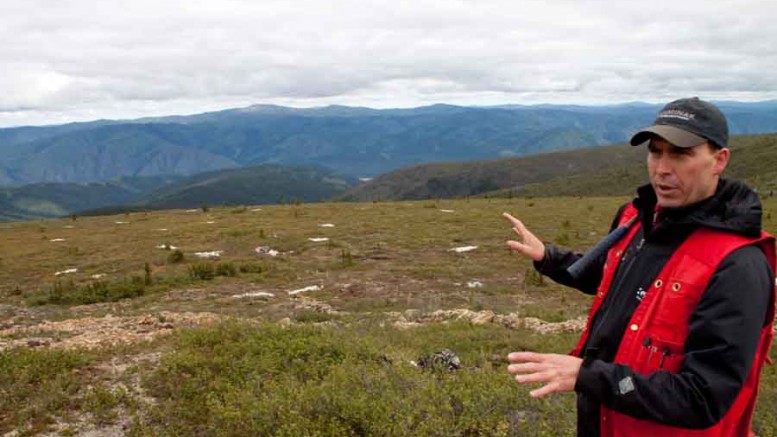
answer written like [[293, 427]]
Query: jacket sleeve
[[723, 337], [556, 261]]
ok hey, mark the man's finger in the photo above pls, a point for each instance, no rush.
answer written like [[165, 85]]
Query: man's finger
[[509, 217], [544, 390], [517, 245], [514, 221], [533, 377], [524, 368], [518, 225], [521, 357]]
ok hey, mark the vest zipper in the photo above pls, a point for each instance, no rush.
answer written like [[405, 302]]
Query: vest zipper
[[637, 249]]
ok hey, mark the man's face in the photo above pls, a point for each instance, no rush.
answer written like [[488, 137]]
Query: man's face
[[682, 176]]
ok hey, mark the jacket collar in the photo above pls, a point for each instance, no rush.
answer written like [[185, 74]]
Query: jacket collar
[[733, 208]]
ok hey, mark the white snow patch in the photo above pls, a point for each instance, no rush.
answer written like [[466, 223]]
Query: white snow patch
[[192, 210], [162, 229], [302, 290], [254, 294], [326, 225], [365, 179], [256, 209], [68, 226], [447, 210], [98, 275], [210, 222], [65, 272], [318, 239], [166, 246], [122, 223], [462, 249], [474, 284], [211, 254], [54, 240]]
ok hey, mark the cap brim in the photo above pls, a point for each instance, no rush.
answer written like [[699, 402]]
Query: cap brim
[[675, 136]]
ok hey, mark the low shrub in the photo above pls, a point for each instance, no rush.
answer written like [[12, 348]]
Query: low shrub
[[310, 316], [244, 379], [69, 293], [207, 270], [533, 278], [251, 267], [175, 257], [37, 386], [202, 270], [226, 269]]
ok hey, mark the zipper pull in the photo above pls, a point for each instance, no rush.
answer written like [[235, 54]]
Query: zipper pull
[[664, 354], [646, 342]]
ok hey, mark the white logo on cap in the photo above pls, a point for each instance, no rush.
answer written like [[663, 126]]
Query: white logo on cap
[[676, 113]]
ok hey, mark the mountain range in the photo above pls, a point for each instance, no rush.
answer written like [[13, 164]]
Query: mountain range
[[358, 142], [270, 154], [265, 184]]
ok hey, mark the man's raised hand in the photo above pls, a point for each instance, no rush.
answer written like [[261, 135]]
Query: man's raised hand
[[530, 246], [557, 372]]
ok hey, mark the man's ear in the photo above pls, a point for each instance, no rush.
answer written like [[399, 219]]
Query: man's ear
[[721, 157]]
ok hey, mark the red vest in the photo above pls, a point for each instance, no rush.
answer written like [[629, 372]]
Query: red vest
[[663, 317]]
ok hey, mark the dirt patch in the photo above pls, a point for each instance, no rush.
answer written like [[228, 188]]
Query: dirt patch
[[314, 305], [93, 332]]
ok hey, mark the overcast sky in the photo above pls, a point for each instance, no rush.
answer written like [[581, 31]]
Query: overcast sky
[[68, 60]]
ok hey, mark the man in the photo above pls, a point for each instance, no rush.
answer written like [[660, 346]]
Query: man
[[683, 309]]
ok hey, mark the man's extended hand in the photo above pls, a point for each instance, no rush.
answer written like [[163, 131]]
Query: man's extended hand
[[530, 246], [558, 372]]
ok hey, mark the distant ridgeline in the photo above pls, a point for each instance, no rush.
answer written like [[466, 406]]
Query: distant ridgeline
[[268, 154], [246, 186], [599, 171], [359, 142]]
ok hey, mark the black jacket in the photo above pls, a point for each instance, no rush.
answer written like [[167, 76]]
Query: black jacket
[[724, 329]]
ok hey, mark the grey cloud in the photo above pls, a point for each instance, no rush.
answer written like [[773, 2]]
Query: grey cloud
[[71, 56]]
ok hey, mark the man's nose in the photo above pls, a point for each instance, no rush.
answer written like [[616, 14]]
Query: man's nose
[[662, 165]]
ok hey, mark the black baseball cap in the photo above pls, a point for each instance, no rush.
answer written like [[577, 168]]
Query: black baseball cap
[[687, 123]]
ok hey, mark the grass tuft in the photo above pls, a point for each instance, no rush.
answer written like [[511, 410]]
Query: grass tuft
[[69, 293]]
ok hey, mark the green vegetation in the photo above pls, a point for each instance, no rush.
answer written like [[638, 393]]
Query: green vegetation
[[266, 184], [36, 386], [58, 199], [175, 257], [69, 293], [239, 379], [332, 360], [598, 171], [206, 270]]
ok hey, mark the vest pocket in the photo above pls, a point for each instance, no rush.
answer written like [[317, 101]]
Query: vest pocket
[[659, 354], [677, 302]]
